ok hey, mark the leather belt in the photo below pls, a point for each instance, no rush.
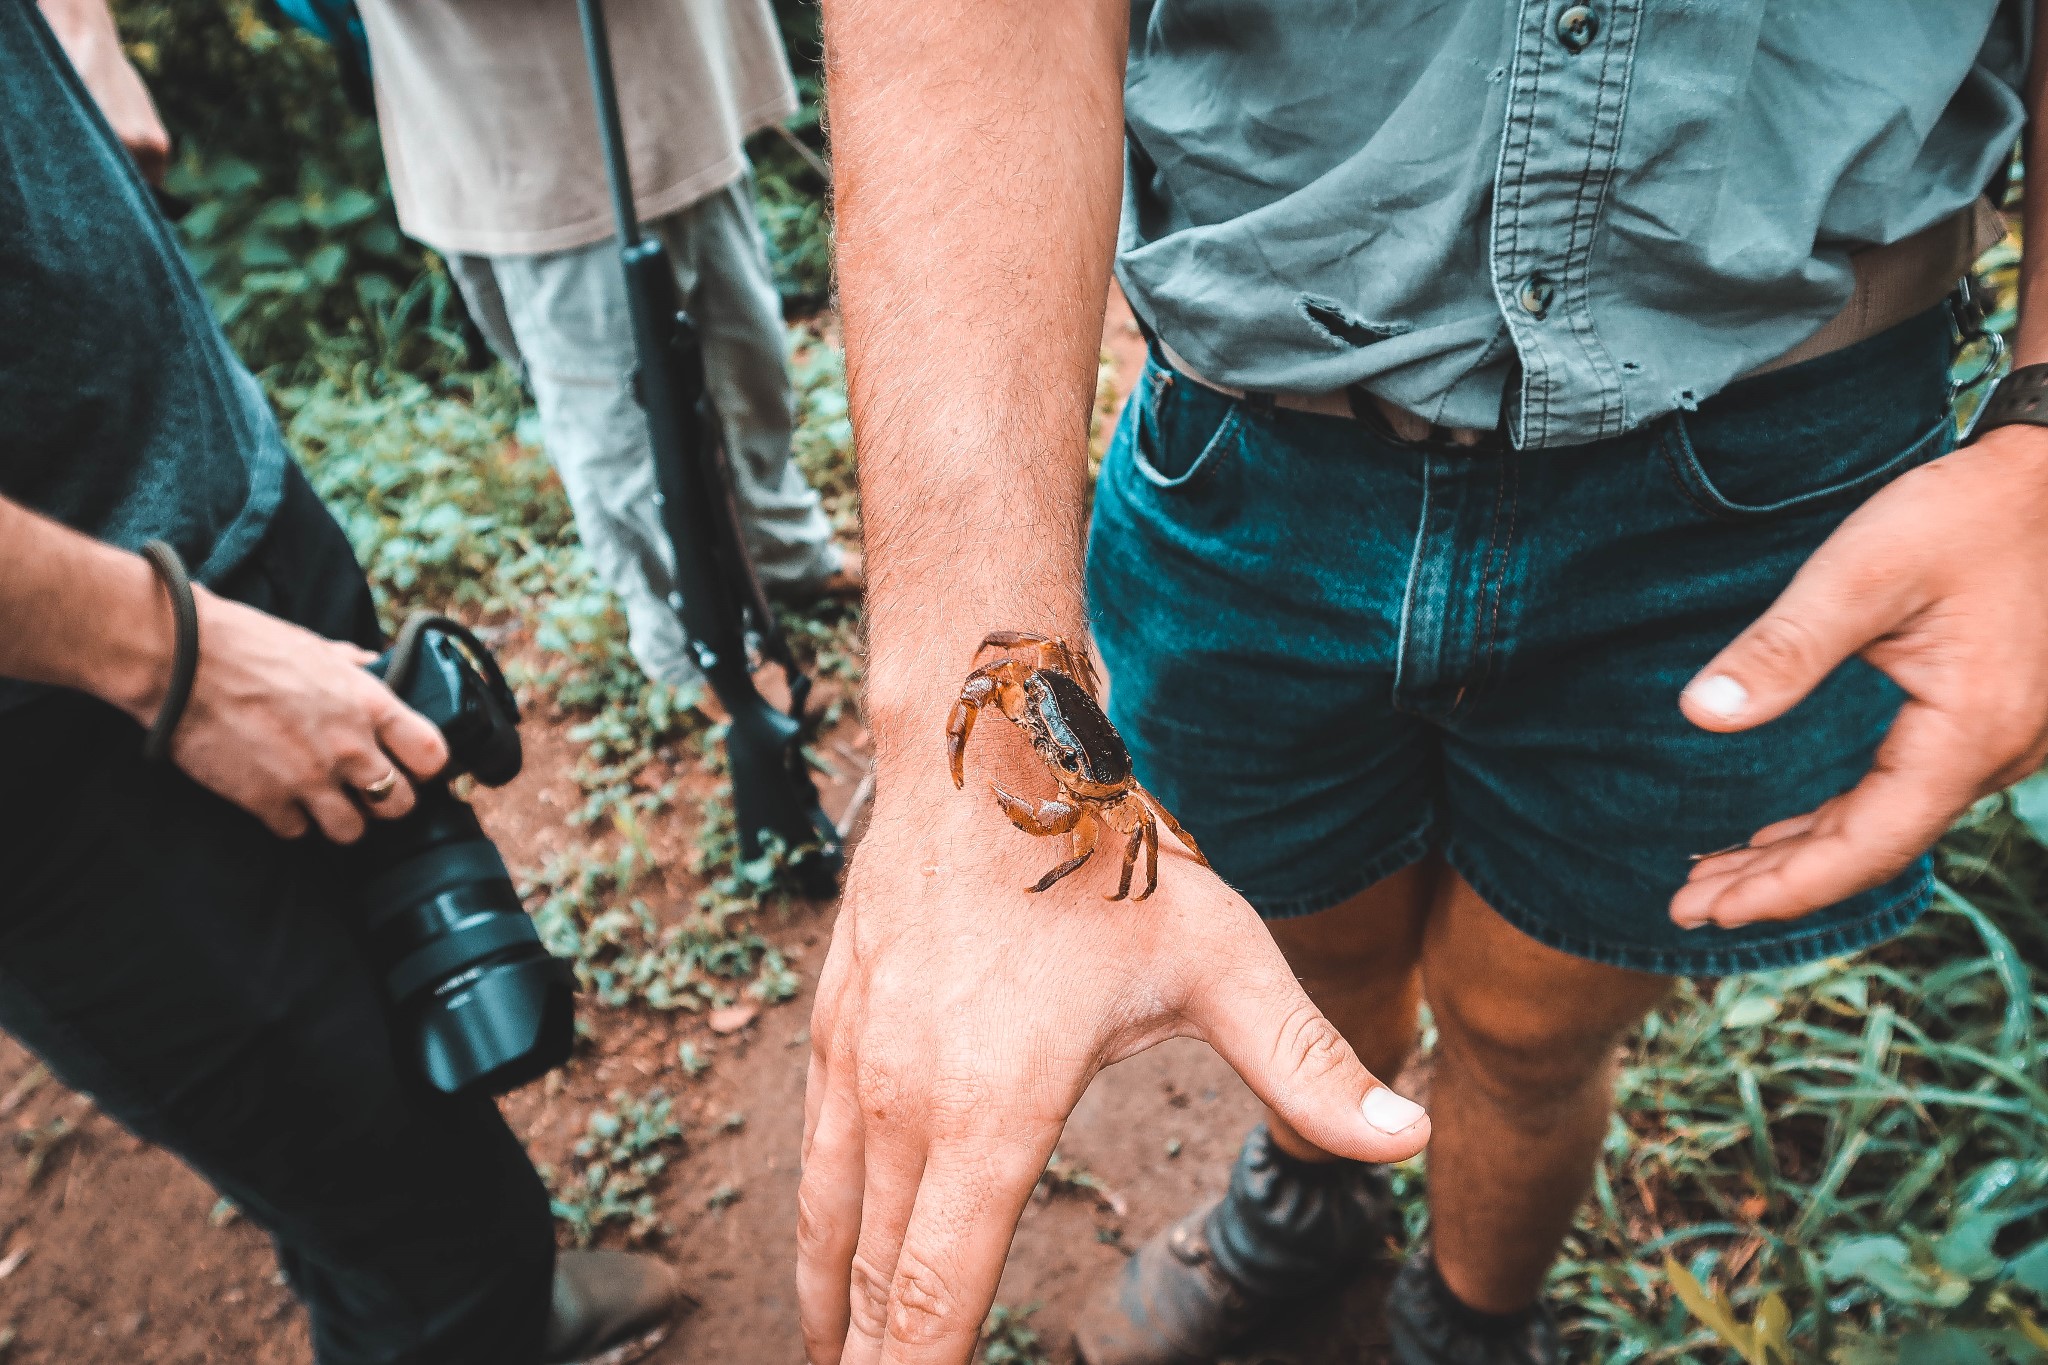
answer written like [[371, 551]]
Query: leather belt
[[1893, 283]]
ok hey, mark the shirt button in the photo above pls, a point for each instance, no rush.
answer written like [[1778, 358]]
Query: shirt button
[[1536, 296], [1577, 27]]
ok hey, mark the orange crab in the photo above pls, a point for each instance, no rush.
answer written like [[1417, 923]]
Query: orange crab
[[1043, 698]]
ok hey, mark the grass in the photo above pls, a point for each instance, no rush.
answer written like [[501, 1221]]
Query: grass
[[1843, 1162]]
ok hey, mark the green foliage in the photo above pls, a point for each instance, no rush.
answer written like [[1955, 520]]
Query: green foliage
[[792, 183], [291, 227], [1007, 1338], [624, 1147], [1842, 1162]]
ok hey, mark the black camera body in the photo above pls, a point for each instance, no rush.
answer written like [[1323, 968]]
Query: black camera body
[[477, 1002]]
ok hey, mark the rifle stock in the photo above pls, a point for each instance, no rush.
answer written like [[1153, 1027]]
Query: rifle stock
[[718, 598]]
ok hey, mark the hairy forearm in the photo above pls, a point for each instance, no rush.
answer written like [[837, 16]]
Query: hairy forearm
[[80, 614], [978, 157]]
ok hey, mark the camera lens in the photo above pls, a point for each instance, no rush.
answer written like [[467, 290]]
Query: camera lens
[[471, 988]]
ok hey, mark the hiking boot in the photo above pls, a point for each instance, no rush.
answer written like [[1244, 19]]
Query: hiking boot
[[1430, 1326], [608, 1308], [1286, 1230]]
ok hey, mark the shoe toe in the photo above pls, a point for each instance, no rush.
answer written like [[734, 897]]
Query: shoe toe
[[604, 1300]]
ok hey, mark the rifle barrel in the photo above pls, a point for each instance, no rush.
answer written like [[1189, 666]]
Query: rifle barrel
[[597, 46]]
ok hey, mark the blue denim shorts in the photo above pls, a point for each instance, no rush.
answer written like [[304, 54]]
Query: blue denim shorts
[[1333, 652]]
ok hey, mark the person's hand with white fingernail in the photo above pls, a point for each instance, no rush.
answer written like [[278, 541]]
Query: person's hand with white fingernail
[[1938, 581]]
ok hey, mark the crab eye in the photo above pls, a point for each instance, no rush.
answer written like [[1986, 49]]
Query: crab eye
[[1071, 762]]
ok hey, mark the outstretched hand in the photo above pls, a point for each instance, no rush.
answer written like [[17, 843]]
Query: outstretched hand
[[959, 1019], [1938, 580]]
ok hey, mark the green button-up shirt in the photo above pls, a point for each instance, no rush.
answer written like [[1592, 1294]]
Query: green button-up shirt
[[1577, 216]]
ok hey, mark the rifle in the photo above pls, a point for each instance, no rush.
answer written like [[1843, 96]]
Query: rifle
[[719, 599]]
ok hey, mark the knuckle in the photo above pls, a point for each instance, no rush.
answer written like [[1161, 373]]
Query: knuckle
[[816, 1230], [1782, 645], [882, 1091], [926, 1306], [868, 1297], [1309, 1044]]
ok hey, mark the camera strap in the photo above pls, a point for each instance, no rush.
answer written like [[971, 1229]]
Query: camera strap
[[170, 570]]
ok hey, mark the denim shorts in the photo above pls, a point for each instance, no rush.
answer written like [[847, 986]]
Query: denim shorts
[[1333, 652]]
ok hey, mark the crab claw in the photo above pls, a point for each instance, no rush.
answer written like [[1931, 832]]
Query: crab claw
[[959, 726]]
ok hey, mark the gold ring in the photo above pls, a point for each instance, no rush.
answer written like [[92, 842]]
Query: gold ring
[[381, 788]]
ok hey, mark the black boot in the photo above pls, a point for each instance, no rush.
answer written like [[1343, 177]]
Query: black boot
[[1286, 1230], [1429, 1325], [609, 1306]]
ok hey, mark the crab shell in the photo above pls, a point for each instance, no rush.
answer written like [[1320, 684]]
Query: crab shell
[[1073, 736]]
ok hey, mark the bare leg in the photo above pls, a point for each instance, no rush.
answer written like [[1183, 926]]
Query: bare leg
[[1360, 963], [1520, 1096]]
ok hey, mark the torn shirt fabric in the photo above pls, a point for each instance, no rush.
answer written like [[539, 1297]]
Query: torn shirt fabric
[[1574, 218]]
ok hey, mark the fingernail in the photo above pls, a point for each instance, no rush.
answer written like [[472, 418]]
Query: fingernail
[[1390, 1113], [1720, 695]]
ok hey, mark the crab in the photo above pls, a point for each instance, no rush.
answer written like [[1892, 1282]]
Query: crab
[[1050, 696]]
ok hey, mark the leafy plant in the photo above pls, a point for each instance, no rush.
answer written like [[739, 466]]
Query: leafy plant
[[624, 1147], [1007, 1337]]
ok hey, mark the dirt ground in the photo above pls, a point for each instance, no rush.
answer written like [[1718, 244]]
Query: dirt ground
[[111, 1251]]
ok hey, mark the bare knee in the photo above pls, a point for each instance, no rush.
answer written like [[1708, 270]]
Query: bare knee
[[1534, 1068], [1522, 1027]]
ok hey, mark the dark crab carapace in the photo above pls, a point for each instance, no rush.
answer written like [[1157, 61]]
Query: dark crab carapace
[[1045, 696]]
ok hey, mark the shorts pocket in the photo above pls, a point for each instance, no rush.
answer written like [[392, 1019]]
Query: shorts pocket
[[1750, 480], [1184, 432]]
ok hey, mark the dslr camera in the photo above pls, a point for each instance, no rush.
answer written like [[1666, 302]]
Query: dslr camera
[[476, 1002]]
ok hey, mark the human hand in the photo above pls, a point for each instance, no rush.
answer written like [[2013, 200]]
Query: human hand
[[1938, 581], [958, 1021], [85, 29], [288, 726]]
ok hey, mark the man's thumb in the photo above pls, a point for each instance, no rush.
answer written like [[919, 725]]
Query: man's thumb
[[1768, 669], [1295, 1060]]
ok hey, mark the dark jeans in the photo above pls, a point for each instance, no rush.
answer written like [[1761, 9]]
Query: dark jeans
[[206, 983]]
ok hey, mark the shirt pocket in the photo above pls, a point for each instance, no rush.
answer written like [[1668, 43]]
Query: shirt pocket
[[1763, 480], [1185, 432]]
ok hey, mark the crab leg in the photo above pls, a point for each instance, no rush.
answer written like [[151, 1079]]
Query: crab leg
[[1150, 829], [1123, 880], [1084, 848], [978, 691], [1052, 649], [1053, 816], [1174, 825]]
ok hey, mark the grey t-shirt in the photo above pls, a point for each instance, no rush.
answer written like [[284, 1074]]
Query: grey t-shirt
[[490, 135], [123, 412]]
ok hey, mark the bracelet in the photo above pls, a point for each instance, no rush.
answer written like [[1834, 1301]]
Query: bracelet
[[184, 652], [2020, 398]]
